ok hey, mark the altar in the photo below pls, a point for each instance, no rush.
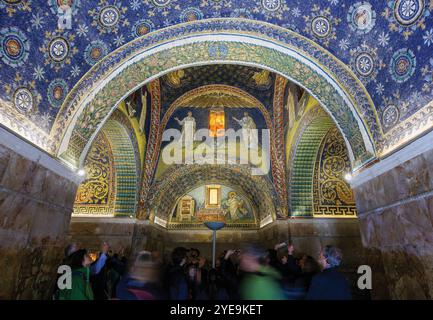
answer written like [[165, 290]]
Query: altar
[[205, 214]]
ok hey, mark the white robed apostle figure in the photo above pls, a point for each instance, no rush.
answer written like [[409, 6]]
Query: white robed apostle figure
[[188, 130], [249, 131]]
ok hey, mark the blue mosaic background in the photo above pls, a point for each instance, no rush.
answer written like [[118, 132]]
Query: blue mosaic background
[[388, 44]]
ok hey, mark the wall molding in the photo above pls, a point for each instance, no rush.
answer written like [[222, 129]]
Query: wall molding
[[30, 152], [414, 149], [399, 203]]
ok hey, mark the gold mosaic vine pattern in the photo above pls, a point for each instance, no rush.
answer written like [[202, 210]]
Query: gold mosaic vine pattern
[[332, 194], [95, 195]]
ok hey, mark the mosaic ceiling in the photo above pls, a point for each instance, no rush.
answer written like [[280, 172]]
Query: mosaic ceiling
[[242, 77], [387, 45]]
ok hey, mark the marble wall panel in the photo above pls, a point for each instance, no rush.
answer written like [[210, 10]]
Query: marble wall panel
[[395, 218], [35, 208]]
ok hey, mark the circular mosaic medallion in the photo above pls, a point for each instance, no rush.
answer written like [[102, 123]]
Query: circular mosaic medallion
[[57, 91], [407, 12], [23, 100], [191, 14], [142, 27], [390, 116], [321, 26], [364, 64], [14, 47], [271, 5], [334, 165], [109, 16], [361, 17], [161, 3], [58, 49], [402, 65], [95, 51]]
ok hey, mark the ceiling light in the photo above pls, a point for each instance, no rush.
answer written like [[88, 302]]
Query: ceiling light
[[347, 177]]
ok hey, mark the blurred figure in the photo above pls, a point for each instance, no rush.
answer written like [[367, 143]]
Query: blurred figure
[[198, 279], [194, 255], [114, 269], [142, 280], [216, 289], [230, 273], [272, 259], [298, 288], [99, 274], [176, 280], [261, 282], [310, 268], [157, 258], [289, 266], [69, 250], [81, 289], [330, 284]]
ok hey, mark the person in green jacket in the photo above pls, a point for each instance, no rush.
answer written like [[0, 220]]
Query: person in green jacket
[[261, 282], [81, 289]]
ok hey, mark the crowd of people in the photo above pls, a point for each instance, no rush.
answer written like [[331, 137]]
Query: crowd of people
[[251, 273]]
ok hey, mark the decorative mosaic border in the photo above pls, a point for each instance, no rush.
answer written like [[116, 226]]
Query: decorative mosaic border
[[125, 167], [303, 166], [153, 145], [278, 143]]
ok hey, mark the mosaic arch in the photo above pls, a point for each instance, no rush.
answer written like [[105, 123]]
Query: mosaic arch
[[303, 165], [246, 42], [175, 181], [96, 194], [111, 168], [245, 100], [317, 163], [332, 195]]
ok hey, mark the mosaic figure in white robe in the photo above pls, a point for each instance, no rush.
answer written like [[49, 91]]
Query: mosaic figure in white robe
[[249, 131], [188, 130]]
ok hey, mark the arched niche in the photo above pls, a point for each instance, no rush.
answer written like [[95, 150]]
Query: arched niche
[[112, 173], [318, 167], [195, 207], [168, 188]]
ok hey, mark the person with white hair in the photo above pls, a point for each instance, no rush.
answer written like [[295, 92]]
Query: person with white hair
[[329, 284]]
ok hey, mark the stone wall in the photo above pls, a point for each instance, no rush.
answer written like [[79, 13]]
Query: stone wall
[[90, 232], [395, 209], [35, 208]]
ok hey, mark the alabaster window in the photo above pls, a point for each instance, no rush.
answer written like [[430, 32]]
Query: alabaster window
[[213, 196], [216, 123]]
